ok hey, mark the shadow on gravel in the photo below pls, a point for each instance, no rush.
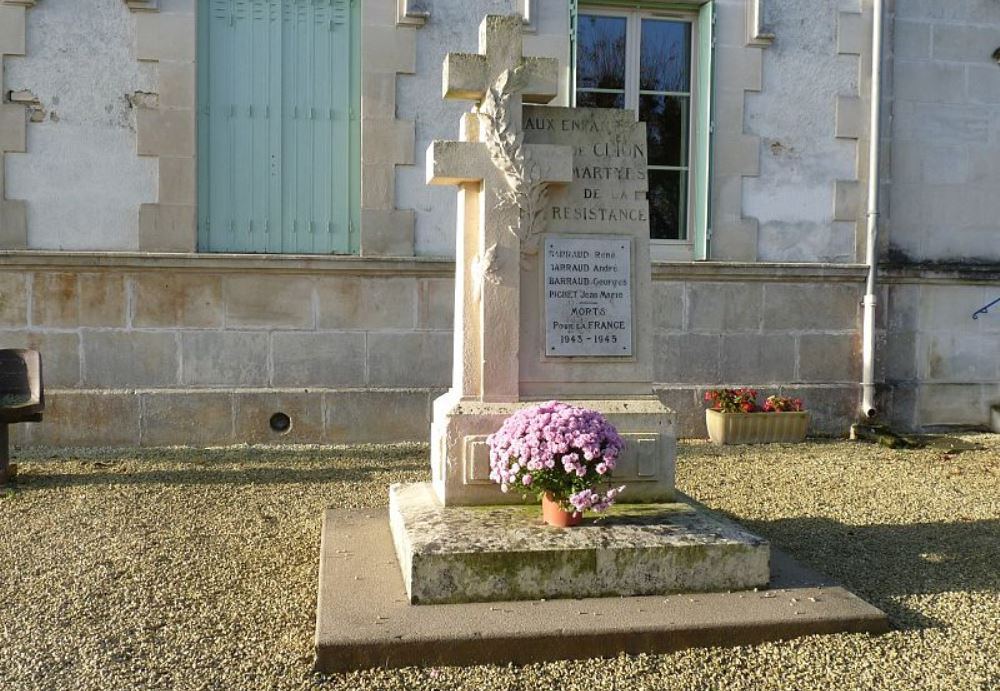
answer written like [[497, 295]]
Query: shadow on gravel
[[223, 466], [881, 563], [114, 474], [227, 454]]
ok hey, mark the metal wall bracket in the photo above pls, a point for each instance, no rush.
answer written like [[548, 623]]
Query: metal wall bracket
[[984, 309]]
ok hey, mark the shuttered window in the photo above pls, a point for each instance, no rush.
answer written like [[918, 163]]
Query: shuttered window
[[278, 133]]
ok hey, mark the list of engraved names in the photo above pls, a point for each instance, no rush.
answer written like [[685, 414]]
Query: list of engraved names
[[588, 296]]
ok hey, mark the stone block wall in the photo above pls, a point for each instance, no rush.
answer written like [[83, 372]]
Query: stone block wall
[[80, 82], [941, 366], [791, 330], [163, 350], [186, 350], [945, 155], [808, 196], [166, 37], [941, 230], [14, 109]]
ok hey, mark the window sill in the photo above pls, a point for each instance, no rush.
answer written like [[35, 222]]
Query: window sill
[[776, 272], [54, 260], [671, 251]]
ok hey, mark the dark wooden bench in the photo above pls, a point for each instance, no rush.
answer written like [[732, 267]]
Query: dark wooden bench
[[21, 398]]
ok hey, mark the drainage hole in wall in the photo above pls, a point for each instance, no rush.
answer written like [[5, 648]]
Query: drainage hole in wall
[[281, 423]]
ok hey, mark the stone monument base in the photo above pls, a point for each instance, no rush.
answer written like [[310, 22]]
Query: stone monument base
[[364, 619], [460, 458], [452, 554]]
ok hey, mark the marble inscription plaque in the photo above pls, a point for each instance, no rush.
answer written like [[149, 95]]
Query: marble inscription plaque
[[588, 296], [608, 191]]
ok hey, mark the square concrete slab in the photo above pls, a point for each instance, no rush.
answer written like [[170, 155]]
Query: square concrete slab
[[452, 554], [364, 618]]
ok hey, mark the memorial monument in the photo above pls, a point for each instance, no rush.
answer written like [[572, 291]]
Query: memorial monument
[[552, 302], [553, 282]]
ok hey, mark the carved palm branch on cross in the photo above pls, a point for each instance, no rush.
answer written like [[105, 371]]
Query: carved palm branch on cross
[[526, 190]]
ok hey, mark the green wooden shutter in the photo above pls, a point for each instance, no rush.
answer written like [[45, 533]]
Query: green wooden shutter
[[702, 154], [277, 151]]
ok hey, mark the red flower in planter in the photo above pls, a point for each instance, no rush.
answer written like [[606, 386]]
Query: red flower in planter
[[733, 400], [781, 404]]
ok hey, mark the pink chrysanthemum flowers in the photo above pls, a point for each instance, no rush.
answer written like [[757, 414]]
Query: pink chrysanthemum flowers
[[560, 449]]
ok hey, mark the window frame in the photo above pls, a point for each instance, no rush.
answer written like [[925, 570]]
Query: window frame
[[694, 245]]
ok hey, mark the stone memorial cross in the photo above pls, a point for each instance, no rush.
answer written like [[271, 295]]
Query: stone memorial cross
[[502, 188], [539, 320]]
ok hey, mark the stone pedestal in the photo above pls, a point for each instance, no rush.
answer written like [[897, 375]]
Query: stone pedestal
[[364, 618], [452, 554], [460, 458]]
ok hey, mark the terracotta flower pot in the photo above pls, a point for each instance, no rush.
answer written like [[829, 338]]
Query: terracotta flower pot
[[553, 514]]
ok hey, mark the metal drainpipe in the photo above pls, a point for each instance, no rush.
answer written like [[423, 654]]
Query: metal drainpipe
[[871, 253]]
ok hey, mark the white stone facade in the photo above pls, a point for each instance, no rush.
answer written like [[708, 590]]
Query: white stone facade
[[97, 225]]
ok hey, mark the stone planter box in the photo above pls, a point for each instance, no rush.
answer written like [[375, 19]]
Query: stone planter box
[[756, 428]]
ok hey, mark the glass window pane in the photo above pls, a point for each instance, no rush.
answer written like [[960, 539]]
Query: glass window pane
[[665, 60], [666, 119], [668, 204], [600, 52], [599, 99]]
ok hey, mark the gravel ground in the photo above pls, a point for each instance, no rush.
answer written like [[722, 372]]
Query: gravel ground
[[180, 569]]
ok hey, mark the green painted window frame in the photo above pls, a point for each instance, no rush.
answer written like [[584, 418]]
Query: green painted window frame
[[701, 230], [354, 133], [354, 180]]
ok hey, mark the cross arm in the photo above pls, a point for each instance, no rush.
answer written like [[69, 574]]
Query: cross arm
[[452, 163], [543, 80], [466, 76]]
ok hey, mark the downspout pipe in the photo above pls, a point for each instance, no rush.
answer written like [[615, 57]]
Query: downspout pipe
[[868, 409]]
